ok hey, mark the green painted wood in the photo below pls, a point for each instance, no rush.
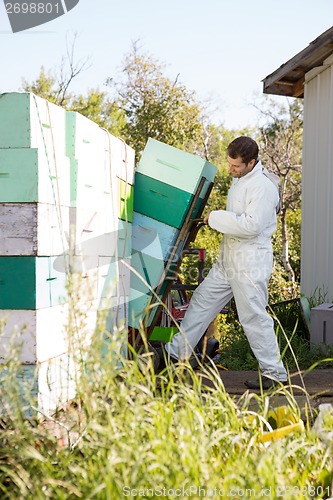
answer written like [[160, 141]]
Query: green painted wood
[[137, 307], [25, 176], [175, 167], [70, 133], [22, 165], [140, 306], [161, 201], [153, 237], [29, 121], [126, 201], [73, 181], [15, 129], [30, 283], [82, 135], [150, 270], [163, 333]]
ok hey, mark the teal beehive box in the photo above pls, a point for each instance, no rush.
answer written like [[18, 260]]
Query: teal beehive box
[[153, 243], [161, 201], [28, 175], [166, 181], [139, 308], [175, 167], [29, 121], [153, 237], [30, 283]]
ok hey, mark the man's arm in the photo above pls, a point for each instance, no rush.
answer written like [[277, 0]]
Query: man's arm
[[259, 214]]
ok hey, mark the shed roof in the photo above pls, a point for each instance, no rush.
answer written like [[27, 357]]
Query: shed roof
[[288, 79]]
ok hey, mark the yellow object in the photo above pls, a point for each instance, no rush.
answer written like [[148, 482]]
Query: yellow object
[[282, 432], [283, 422]]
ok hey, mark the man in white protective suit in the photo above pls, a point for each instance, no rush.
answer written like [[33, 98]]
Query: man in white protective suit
[[243, 268]]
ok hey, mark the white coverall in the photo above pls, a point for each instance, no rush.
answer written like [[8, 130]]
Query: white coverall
[[242, 271]]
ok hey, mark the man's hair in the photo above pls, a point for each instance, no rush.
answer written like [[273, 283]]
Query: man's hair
[[245, 147]]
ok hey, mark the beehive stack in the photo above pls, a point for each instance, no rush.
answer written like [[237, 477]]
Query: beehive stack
[[60, 211], [166, 182], [115, 254]]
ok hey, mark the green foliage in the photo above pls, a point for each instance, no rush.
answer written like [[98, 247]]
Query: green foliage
[[296, 350], [95, 105], [45, 86], [280, 287], [293, 220], [217, 138], [155, 106], [98, 107]]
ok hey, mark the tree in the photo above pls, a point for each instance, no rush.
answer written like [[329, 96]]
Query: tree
[[98, 107], [54, 85], [155, 106]]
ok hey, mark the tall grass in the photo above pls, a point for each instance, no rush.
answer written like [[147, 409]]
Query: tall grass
[[132, 432]]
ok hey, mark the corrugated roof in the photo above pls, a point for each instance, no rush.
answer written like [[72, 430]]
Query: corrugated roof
[[288, 80]]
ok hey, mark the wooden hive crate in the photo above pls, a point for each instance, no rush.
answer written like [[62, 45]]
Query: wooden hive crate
[[33, 229], [41, 179], [30, 282], [152, 244], [29, 121], [169, 177], [63, 162], [51, 357]]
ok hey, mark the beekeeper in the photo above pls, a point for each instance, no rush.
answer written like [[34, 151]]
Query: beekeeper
[[244, 266]]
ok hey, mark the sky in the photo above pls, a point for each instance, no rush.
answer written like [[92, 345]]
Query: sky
[[221, 49]]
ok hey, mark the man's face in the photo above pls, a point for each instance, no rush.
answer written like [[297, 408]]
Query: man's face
[[238, 168]]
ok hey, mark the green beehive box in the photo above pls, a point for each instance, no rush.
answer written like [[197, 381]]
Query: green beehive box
[[15, 126], [137, 307], [19, 164], [163, 333], [175, 167], [83, 136], [25, 176], [29, 121], [126, 201], [150, 272], [161, 201], [141, 309], [30, 283]]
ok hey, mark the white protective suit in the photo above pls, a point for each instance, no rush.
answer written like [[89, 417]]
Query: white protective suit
[[242, 271]]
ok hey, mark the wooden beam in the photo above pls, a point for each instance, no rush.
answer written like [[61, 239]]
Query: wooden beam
[[309, 58]]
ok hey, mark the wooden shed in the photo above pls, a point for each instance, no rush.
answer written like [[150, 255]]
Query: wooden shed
[[309, 75]]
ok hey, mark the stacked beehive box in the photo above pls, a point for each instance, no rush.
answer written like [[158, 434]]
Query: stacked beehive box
[[114, 254], [65, 206], [166, 182], [34, 221]]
